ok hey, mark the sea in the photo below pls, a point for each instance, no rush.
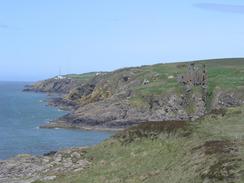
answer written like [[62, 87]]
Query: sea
[[21, 114]]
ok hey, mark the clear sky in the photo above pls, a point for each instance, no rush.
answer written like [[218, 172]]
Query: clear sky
[[37, 38]]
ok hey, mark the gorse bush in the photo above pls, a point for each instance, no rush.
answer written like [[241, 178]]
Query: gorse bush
[[220, 111], [154, 130]]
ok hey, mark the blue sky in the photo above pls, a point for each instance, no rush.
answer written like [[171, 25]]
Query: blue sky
[[37, 38]]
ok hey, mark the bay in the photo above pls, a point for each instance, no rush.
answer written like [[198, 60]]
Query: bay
[[20, 115]]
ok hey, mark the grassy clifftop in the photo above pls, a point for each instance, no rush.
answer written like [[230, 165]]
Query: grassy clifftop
[[227, 74], [160, 79]]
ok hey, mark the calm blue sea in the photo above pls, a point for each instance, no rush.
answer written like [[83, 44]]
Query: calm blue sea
[[20, 115]]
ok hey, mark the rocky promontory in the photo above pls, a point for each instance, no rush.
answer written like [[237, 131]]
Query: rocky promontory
[[162, 92]]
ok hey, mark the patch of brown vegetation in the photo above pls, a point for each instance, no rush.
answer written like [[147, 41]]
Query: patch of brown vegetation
[[217, 147], [180, 66], [226, 163], [224, 170], [152, 130], [220, 111]]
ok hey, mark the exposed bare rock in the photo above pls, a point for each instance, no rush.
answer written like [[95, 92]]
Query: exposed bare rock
[[120, 114], [28, 168], [223, 99]]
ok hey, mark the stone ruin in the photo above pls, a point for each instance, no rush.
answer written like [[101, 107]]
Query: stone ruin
[[195, 76]]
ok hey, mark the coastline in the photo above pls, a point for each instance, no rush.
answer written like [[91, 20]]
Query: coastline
[[28, 168], [66, 123], [56, 100], [52, 125], [122, 98]]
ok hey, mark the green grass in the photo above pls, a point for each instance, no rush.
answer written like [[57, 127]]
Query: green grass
[[83, 77], [213, 152], [225, 74]]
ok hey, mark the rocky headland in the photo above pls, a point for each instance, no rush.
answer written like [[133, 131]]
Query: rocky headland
[[125, 97]]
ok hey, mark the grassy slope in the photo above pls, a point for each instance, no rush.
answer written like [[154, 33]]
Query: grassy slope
[[82, 77], [225, 74], [214, 151], [172, 158]]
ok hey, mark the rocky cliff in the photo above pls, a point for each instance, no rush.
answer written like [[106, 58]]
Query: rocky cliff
[[118, 99]]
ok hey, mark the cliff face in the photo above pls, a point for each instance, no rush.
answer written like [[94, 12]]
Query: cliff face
[[149, 93]]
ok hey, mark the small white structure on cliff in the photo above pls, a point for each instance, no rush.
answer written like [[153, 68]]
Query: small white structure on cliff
[[59, 77]]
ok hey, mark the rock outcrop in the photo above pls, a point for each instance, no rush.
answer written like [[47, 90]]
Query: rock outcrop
[[28, 168], [224, 99]]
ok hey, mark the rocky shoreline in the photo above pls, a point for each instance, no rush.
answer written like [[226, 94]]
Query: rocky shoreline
[[27, 168]]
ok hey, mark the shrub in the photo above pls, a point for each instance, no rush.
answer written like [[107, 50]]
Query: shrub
[[153, 130]]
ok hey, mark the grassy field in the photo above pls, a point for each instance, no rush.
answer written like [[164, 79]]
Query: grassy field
[[82, 77], [209, 150]]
